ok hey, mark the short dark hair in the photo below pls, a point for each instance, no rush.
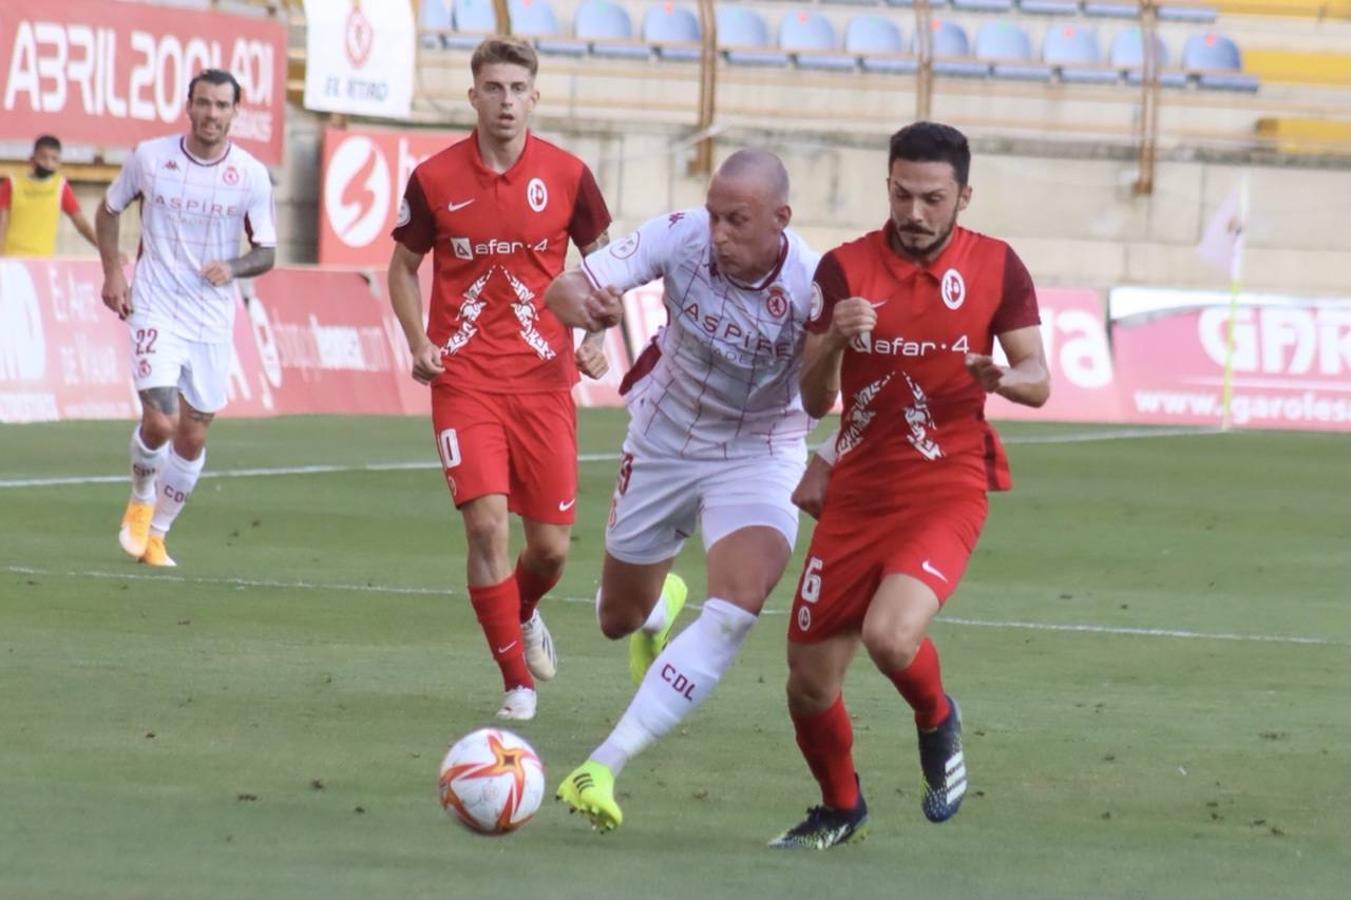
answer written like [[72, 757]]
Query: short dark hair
[[504, 50], [932, 142], [214, 76], [46, 140]]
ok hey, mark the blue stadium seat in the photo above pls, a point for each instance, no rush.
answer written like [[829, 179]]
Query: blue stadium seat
[[476, 19], [1205, 14], [874, 39], [665, 22], [1007, 46], [746, 34], [802, 30], [952, 51], [609, 29], [435, 14], [1217, 62], [994, 6], [535, 19], [1049, 7], [1111, 9], [1074, 50], [1128, 53]]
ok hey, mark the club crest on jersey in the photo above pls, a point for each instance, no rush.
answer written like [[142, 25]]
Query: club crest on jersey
[[405, 214], [537, 195], [230, 176], [777, 302], [953, 289], [625, 248], [818, 301]]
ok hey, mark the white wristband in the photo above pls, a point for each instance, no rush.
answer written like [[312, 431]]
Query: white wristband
[[827, 449]]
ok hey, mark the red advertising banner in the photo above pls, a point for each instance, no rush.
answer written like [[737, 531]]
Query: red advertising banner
[[363, 173], [112, 74]]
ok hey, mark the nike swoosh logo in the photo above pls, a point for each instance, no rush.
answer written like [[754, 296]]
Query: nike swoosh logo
[[876, 304], [564, 507], [454, 206], [929, 567], [506, 648]]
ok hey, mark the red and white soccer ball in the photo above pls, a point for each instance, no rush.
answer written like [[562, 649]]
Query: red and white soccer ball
[[491, 781]]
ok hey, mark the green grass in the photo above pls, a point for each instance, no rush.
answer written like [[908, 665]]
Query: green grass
[[267, 720]]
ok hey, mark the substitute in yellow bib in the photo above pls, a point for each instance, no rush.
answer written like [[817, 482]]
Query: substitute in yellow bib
[[31, 205]]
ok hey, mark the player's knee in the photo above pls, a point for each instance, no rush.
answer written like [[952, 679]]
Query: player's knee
[[156, 427], [487, 537], [617, 620], [547, 557], [892, 649], [807, 694]]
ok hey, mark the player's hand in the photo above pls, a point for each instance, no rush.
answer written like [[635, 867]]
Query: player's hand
[[427, 363], [604, 307], [591, 360], [116, 294], [218, 273], [988, 374], [851, 318], [810, 493]]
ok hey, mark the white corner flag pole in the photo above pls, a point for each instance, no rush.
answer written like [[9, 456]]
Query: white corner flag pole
[[1235, 288]]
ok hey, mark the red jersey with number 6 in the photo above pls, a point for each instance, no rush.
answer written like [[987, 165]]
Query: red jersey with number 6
[[914, 418], [497, 240]]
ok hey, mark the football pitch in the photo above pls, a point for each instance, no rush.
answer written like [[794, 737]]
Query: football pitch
[[1152, 650]]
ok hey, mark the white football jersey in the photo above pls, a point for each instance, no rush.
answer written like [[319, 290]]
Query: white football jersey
[[192, 213], [720, 379]]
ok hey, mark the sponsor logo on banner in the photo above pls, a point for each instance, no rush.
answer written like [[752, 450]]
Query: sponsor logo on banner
[[357, 62], [113, 74], [364, 173]]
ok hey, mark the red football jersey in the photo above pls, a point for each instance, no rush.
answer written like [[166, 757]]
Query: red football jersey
[[497, 240], [914, 418]]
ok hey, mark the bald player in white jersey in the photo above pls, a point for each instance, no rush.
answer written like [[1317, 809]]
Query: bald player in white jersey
[[199, 195], [716, 440]]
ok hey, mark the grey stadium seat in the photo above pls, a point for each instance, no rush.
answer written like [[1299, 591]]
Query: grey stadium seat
[[1128, 53], [1007, 46], [802, 30], [746, 34], [951, 51], [1217, 63], [874, 38], [1073, 49], [608, 28]]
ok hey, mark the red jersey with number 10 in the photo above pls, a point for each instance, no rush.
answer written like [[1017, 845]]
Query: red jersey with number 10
[[497, 240], [914, 418]]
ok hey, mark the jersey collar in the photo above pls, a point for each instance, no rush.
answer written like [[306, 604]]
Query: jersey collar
[[903, 267], [183, 145], [486, 175]]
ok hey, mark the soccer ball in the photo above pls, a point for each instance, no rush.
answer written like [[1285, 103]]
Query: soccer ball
[[492, 781]]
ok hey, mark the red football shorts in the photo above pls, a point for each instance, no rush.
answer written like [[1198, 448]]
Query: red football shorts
[[930, 540], [521, 445]]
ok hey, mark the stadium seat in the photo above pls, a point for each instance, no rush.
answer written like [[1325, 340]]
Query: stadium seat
[[1007, 46], [802, 30], [1111, 9], [744, 37], [1217, 63], [876, 40], [952, 51], [1074, 50], [435, 14], [1204, 14], [535, 19], [1049, 7], [1128, 53], [667, 27], [607, 26], [994, 6], [476, 19]]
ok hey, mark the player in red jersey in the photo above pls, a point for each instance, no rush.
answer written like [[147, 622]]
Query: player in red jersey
[[905, 326], [497, 211]]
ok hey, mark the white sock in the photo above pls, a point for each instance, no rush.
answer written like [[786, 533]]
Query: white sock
[[176, 482], [678, 681], [145, 467], [656, 620]]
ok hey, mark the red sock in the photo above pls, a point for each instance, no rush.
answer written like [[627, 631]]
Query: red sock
[[825, 740], [496, 605], [533, 587], [921, 684]]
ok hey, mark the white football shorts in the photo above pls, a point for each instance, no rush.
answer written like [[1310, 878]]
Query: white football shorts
[[160, 358], [659, 500]]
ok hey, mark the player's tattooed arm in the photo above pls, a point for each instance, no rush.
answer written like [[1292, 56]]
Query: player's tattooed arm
[[161, 399], [257, 261]]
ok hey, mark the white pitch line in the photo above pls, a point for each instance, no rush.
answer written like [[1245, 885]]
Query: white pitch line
[[1066, 438], [272, 584]]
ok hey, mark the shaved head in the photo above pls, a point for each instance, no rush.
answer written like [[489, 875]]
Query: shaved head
[[761, 167]]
